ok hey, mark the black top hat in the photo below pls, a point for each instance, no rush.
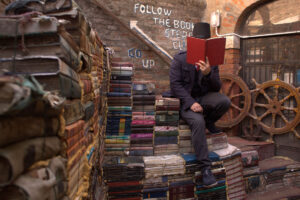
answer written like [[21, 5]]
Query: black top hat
[[201, 30]]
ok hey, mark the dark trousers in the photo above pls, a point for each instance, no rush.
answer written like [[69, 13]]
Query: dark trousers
[[214, 106]]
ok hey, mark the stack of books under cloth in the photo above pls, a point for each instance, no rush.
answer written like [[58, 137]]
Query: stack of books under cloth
[[166, 127], [143, 120], [159, 166], [123, 177], [119, 116], [63, 53], [30, 127]]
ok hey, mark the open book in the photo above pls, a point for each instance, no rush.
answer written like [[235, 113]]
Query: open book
[[199, 49]]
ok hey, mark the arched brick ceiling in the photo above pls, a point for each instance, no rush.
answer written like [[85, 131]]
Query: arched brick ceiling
[[273, 17]]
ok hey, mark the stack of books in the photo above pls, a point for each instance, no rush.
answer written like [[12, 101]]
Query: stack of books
[[143, 119], [119, 117], [166, 127], [185, 138], [181, 187], [156, 187], [160, 166], [216, 192], [65, 58], [123, 177], [232, 161], [276, 173]]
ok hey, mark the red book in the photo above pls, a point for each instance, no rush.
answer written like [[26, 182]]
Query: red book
[[213, 49]]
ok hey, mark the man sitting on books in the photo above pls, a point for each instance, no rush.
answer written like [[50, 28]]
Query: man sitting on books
[[197, 86]]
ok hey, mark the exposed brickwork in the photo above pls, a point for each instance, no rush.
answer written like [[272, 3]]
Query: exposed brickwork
[[232, 56], [165, 22]]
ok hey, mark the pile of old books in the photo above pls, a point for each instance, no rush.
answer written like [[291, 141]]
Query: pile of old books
[[185, 138], [214, 141], [65, 55], [30, 129], [275, 173], [143, 121], [217, 192], [156, 187], [157, 168], [251, 169], [166, 126], [231, 184], [118, 129], [232, 162], [181, 187], [123, 177]]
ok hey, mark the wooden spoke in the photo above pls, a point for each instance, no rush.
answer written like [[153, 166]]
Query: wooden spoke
[[286, 98], [276, 93], [273, 120], [283, 117], [261, 105], [236, 107], [266, 95], [289, 108], [264, 115], [237, 95]]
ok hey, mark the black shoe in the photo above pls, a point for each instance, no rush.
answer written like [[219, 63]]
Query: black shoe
[[208, 178], [213, 129]]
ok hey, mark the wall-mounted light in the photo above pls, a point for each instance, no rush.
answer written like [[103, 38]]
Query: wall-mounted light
[[215, 19]]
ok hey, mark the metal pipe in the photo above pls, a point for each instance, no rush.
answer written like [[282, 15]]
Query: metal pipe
[[256, 36]]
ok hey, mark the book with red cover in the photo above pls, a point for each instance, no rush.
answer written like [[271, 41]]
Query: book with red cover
[[213, 49]]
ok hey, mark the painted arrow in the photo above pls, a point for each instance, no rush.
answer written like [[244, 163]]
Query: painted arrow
[[133, 26]]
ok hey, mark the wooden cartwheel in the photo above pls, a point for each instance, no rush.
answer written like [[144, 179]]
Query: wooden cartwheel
[[271, 110], [239, 94]]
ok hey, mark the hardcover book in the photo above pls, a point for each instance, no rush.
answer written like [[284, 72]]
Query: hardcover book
[[199, 49]]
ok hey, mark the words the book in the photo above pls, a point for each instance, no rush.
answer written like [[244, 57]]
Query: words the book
[[199, 49]]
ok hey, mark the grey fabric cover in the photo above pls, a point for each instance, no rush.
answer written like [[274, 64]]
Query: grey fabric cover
[[58, 166], [16, 158], [37, 184], [16, 129]]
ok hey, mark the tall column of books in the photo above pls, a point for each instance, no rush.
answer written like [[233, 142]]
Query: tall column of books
[[166, 126], [143, 119], [65, 56], [119, 117]]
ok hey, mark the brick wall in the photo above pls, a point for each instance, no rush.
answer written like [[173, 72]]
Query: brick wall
[[168, 23]]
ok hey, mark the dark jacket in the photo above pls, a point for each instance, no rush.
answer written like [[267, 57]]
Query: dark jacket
[[182, 80]]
